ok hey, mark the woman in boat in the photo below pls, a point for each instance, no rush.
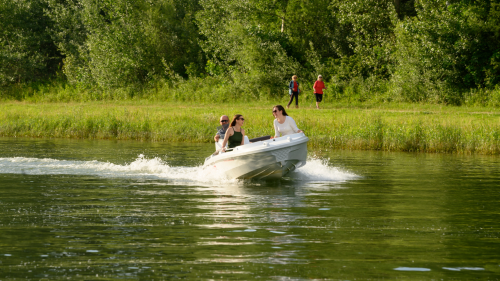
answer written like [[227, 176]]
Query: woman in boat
[[235, 135], [283, 124]]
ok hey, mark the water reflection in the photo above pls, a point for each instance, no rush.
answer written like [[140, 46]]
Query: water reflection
[[351, 215]]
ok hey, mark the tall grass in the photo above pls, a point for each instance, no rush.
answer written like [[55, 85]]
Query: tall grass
[[214, 90], [406, 127], [207, 90]]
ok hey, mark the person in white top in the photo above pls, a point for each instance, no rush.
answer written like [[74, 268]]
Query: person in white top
[[283, 124]]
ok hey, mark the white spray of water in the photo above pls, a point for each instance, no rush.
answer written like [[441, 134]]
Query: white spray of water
[[319, 170], [155, 168]]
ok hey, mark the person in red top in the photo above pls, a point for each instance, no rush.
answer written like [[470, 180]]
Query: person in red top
[[294, 91], [319, 85]]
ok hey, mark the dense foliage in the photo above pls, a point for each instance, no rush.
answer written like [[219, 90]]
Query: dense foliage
[[405, 50]]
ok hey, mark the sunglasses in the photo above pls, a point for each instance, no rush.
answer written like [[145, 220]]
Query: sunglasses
[[242, 119], [224, 121], [274, 111]]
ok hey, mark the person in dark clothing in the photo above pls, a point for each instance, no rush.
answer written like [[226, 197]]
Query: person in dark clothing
[[294, 91], [235, 135], [221, 130]]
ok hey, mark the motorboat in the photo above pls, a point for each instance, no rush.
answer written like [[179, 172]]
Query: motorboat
[[261, 158]]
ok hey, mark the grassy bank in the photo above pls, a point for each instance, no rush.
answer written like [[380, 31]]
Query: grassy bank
[[390, 127], [216, 90]]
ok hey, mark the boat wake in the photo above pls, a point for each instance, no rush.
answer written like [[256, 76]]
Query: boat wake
[[154, 169]]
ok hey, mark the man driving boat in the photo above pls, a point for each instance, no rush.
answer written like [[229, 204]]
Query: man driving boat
[[221, 130]]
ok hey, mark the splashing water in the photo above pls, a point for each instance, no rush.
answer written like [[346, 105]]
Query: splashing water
[[155, 168], [319, 170]]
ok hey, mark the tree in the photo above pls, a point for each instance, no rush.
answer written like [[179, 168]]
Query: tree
[[120, 43], [446, 49], [27, 52], [246, 40], [369, 26]]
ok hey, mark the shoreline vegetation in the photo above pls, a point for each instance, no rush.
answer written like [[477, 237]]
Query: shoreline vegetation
[[358, 126], [402, 75], [215, 51]]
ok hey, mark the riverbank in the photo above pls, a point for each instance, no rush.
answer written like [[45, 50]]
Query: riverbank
[[388, 127]]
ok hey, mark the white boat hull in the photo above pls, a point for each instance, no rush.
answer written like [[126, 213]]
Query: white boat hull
[[269, 159]]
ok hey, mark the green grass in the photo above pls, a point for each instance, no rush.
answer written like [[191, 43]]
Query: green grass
[[388, 127]]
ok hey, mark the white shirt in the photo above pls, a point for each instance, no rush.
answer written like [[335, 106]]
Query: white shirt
[[287, 128]]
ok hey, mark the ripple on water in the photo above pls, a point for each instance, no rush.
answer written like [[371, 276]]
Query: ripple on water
[[463, 268], [412, 269], [113, 218]]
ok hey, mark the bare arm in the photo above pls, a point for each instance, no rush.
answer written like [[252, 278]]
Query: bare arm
[[229, 133], [242, 136]]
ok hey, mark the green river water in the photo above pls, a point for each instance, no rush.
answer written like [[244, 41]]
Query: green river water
[[99, 210]]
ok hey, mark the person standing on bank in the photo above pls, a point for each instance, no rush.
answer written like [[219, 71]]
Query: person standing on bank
[[283, 124], [235, 135], [294, 91], [318, 87]]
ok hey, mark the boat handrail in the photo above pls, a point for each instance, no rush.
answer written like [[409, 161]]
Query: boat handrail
[[260, 138]]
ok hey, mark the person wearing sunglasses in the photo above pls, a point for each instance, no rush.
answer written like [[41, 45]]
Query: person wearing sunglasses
[[283, 124], [221, 130], [235, 135]]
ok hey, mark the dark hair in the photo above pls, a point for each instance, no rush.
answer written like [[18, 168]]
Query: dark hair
[[281, 108], [237, 116]]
